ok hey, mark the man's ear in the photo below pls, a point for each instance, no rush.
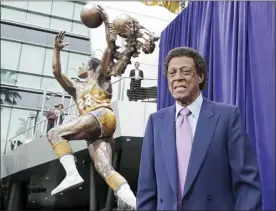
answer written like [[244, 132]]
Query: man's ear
[[201, 78]]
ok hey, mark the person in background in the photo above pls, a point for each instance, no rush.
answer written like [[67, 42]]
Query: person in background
[[60, 113], [196, 154], [54, 115], [137, 76]]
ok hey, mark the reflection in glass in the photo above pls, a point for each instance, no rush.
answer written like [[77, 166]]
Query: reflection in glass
[[5, 119], [26, 122], [30, 99], [17, 124], [8, 77], [9, 96]]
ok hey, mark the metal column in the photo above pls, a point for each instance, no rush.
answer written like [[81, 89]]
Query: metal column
[[110, 195], [92, 197]]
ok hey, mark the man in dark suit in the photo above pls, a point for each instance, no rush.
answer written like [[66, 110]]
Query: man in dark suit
[[137, 76], [196, 154]]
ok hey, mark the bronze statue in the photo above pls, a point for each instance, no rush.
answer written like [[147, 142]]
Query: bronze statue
[[97, 122]]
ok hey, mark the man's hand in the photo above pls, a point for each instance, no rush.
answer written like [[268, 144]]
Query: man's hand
[[103, 13], [59, 44], [110, 33]]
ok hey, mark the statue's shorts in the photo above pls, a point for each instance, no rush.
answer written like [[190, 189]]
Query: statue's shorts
[[106, 119]]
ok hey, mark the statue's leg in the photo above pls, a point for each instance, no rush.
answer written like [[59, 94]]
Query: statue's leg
[[101, 153], [80, 128]]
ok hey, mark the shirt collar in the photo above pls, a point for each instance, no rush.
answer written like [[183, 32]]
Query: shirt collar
[[194, 107]]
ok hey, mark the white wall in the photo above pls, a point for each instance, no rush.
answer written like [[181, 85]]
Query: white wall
[[155, 18]]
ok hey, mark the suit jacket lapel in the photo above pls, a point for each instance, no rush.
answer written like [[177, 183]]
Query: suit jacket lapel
[[203, 135], [169, 147]]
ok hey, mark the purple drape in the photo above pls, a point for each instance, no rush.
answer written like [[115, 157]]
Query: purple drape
[[237, 40]]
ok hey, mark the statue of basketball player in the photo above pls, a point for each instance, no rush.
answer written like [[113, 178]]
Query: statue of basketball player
[[97, 122]]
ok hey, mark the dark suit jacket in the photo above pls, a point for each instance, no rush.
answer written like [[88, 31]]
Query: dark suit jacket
[[222, 175], [135, 83]]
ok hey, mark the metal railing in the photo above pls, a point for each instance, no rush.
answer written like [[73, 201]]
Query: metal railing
[[131, 89], [36, 131], [122, 90]]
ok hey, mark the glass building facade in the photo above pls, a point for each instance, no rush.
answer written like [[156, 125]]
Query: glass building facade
[[28, 29]]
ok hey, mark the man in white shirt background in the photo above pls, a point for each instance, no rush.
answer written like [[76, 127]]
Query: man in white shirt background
[[137, 76]]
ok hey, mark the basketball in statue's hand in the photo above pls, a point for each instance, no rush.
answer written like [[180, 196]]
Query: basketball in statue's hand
[[91, 16]]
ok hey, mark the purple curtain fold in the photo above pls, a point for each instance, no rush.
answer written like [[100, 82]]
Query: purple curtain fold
[[237, 40]]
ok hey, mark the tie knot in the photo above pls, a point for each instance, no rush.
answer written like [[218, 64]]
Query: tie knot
[[185, 112]]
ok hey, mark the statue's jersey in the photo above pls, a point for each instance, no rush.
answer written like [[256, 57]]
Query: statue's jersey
[[90, 97]]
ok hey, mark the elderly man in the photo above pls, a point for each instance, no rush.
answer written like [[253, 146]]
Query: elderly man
[[196, 154]]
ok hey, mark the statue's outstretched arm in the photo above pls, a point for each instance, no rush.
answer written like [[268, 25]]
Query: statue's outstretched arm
[[111, 36], [62, 79]]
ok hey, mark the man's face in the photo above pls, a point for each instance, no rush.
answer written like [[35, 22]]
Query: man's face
[[183, 79], [137, 65]]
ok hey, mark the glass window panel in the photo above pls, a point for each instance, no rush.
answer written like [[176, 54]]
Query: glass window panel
[[10, 54], [18, 4], [29, 81], [19, 123], [38, 20], [12, 32], [9, 96], [60, 25], [5, 119], [13, 15], [67, 9], [29, 100], [48, 62], [78, 8], [80, 29], [8, 77], [75, 61], [51, 39], [32, 59], [34, 36], [74, 43], [21, 98], [79, 45], [52, 100], [40, 6], [51, 84], [3, 145]]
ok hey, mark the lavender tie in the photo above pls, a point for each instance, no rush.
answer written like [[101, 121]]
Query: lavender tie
[[183, 148]]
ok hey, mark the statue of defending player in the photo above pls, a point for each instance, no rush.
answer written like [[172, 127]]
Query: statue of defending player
[[97, 122]]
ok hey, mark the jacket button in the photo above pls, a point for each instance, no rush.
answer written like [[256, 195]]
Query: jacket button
[[209, 197], [161, 200]]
